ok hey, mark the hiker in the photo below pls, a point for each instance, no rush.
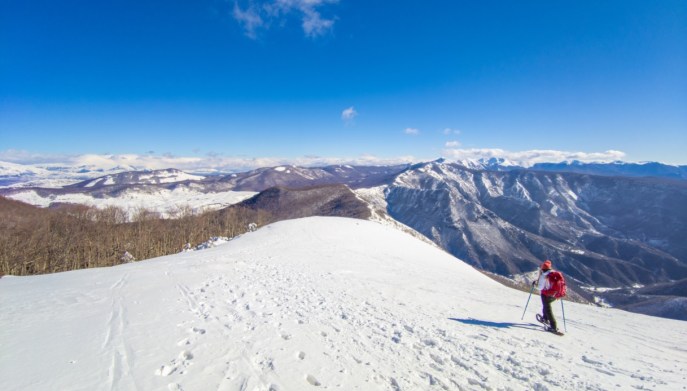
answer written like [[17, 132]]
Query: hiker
[[547, 297]]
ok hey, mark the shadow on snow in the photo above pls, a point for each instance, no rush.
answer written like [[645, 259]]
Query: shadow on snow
[[498, 325]]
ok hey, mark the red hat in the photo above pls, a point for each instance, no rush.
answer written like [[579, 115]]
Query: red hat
[[546, 265]]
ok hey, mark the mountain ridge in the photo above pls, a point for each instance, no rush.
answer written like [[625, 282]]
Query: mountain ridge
[[602, 230], [486, 218]]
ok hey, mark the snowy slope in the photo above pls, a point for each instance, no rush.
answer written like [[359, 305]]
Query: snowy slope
[[51, 175], [146, 177], [13, 169], [164, 201], [316, 303]]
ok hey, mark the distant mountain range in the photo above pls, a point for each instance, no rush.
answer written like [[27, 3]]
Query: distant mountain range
[[604, 225], [618, 168], [36, 175], [650, 169], [129, 178], [51, 175]]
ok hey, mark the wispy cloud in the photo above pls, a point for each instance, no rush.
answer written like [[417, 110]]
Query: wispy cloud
[[452, 144], [451, 131], [412, 131], [249, 18], [259, 15], [349, 114], [529, 158], [314, 25]]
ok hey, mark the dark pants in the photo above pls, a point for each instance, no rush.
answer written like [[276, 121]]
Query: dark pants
[[546, 309]]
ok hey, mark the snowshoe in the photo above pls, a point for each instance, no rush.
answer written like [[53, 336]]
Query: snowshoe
[[541, 320], [554, 331]]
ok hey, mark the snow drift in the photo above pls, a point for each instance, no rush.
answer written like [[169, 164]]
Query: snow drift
[[316, 303]]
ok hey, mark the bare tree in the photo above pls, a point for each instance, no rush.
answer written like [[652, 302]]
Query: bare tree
[[35, 240]]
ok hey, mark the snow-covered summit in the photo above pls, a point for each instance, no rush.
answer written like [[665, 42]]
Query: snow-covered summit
[[146, 177], [51, 175], [493, 163], [13, 169], [320, 302]]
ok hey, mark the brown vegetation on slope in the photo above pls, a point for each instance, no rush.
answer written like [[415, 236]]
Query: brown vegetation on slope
[[68, 237], [37, 241]]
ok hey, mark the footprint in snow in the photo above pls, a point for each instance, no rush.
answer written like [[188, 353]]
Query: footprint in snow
[[436, 359], [397, 337], [185, 355], [312, 380], [182, 361], [429, 342], [183, 342], [165, 370]]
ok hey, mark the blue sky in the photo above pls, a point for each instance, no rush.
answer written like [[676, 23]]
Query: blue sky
[[294, 79]]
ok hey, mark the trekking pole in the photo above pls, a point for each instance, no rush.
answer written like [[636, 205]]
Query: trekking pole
[[528, 303], [563, 309]]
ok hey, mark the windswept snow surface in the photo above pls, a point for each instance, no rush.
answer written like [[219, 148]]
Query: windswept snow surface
[[316, 303]]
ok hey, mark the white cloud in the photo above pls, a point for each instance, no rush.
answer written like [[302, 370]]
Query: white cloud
[[450, 131], [263, 13], [314, 25], [20, 156], [348, 114], [412, 131], [452, 144], [227, 164], [249, 18], [205, 164], [529, 158]]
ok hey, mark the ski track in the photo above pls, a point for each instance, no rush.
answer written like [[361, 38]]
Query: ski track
[[264, 305], [115, 344]]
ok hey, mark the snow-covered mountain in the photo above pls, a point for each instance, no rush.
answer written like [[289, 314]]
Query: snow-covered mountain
[[51, 175], [578, 219], [165, 202], [13, 174], [8, 169], [320, 302], [668, 300], [165, 191], [492, 164], [129, 178], [603, 231], [112, 185], [612, 230], [618, 168], [58, 175], [162, 191], [647, 169], [295, 177]]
